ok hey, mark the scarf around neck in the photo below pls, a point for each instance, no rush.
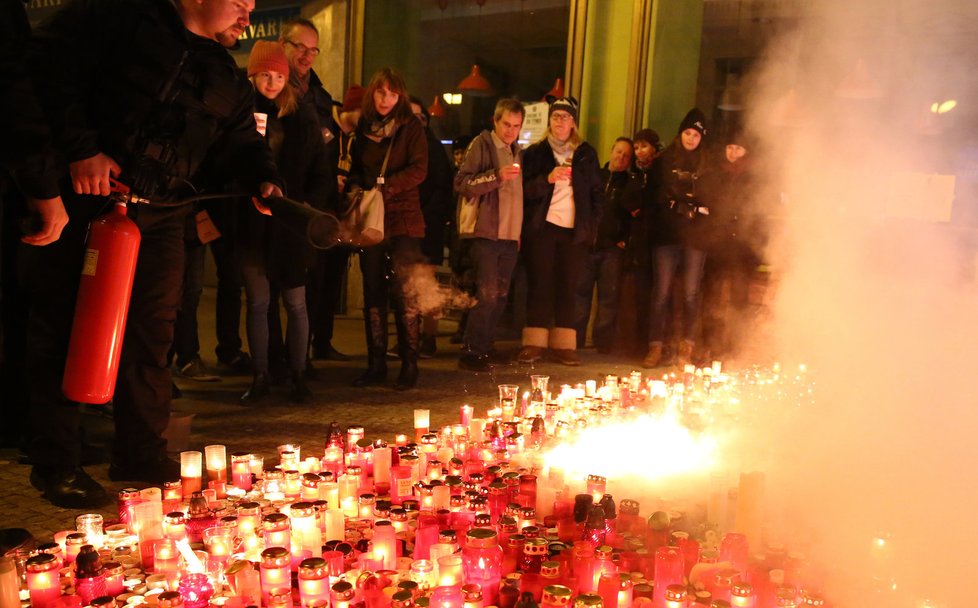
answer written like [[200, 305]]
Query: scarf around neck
[[563, 148], [382, 129]]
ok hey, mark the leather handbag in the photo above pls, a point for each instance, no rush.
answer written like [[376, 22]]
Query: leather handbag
[[362, 225]]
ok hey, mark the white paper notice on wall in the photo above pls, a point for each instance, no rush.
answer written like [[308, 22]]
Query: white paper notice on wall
[[920, 196], [535, 123]]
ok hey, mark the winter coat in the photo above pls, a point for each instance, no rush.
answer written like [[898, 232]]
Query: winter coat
[[406, 169], [297, 143], [437, 199], [25, 150], [538, 162], [738, 232], [674, 218], [479, 177], [613, 225], [126, 78]]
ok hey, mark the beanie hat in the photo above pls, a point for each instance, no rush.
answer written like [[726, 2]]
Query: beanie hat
[[268, 56], [566, 104], [695, 119], [649, 136], [353, 99]]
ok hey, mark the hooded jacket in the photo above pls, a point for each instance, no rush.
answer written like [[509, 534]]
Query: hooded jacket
[[478, 177]]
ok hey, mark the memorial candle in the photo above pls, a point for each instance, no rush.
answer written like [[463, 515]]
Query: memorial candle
[[448, 597], [382, 469], [43, 580], [482, 561], [668, 571], [675, 596], [313, 581], [190, 472], [215, 457], [305, 528], [276, 531], [275, 570], [422, 421], [384, 544], [166, 557], [333, 519], [241, 470], [341, 595], [74, 541]]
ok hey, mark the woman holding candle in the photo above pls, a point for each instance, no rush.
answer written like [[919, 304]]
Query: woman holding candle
[[388, 130], [270, 255], [561, 200]]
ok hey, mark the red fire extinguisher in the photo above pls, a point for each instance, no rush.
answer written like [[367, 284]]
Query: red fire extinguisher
[[101, 307]]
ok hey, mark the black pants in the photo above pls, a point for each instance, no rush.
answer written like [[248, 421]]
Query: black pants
[[142, 391], [553, 262], [323, 293], [386, 269], [186, 343]]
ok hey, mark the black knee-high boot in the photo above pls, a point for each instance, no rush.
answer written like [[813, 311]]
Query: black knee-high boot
[[375, 324]]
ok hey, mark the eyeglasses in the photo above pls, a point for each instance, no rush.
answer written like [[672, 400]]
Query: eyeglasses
[[561, 116], [303, 49]]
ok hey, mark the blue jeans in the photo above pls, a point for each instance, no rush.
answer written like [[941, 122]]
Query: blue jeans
[[665, 263], [258, 294], [494, 262], [604, 269]]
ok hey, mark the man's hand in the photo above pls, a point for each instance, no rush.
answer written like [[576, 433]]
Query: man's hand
[[509, 172], [559, 173], [53, 219], [266, 189], [91, 175]]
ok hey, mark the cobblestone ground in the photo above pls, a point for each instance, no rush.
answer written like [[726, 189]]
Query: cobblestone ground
[[219, 419]]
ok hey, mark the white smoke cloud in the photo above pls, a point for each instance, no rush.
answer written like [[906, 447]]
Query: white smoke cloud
[[878, 296]]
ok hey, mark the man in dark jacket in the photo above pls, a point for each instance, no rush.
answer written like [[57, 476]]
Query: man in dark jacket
[[491, 215], [145, 91], [301, 41], [602, 267]]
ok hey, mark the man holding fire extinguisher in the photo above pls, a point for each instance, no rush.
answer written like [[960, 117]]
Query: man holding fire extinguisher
[[142, 91]]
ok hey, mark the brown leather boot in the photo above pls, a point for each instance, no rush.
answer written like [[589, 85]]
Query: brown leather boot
[[685, 352], [654, 356]]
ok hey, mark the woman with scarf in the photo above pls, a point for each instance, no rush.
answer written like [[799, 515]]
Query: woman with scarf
[[562, 192], [271, 256], [679, 224], [388, 129]]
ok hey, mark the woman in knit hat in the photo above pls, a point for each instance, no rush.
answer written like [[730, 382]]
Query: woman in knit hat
[[676, 234], [562, 192], [272, 257]]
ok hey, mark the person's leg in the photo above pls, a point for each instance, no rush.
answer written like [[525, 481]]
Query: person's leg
[[609, 273], [228, 307], [508, 254], [257, 301], [141, 406], [569, 260], [406, 259], [373, 267], [584, 295], [330, 276], [693, 262], [539, 260], [665, 260], [50, 276], [297, 341], [478, 329], [186, 342]]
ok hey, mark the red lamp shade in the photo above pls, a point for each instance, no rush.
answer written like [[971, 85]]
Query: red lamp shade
[[436, 109], [556, 91], [475, 84]]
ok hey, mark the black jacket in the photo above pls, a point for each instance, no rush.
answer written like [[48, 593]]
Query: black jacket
[[126, 78], [26, 150], [538, 162], [297, 143], [673, 219], [613, 227]]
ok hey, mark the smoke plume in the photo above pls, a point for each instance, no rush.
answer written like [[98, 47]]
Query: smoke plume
[[877, 481]]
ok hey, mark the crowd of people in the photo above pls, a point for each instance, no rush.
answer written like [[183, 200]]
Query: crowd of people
[[167, 113]]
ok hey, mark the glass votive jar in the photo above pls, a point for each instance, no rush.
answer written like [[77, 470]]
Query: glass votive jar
[[196, 590], [402, 599], [43, 580], [167, 599], [90, 524], [341, 594], [280, 598], [175, 525], [215, 456], [166, 556], [275, 570], [276, 531], [73, 544], [219, 543], [449, 570], [313, 581], [191, 471]]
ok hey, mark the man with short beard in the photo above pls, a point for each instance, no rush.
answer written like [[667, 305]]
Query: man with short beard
[[143, 91]]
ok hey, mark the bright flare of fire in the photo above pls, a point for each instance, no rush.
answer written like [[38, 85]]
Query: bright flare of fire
[[650, 447]]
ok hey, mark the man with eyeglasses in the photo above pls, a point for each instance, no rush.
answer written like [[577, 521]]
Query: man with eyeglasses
[[300, 38], [143, 91]]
